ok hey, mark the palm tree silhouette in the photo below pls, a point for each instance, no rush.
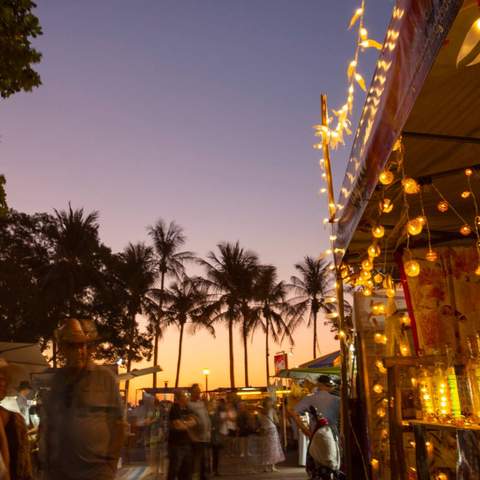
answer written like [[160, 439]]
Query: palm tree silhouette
[[166, 243], [270, 309], [182, 303], [310, 289], [229, 277], [135, 272]]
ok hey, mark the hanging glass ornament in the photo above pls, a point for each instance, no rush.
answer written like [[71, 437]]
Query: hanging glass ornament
[[386, 177], [378, 231], [412, 268], [415, 226], [410, 186]]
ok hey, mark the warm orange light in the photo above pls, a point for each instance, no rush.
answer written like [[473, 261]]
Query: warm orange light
[[465, 230], [468, 172], [386, 205], [412, 268], [377, 388], [378, 278], [374, 250], [390, 292], [415, 226], [431, 255], [442, 206], [465, 194], [367, 265], [477, 270], [410, 186], [378, 231], [367, 292], [386, 177]]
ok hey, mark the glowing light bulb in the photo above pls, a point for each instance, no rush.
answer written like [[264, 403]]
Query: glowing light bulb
[[465, 230], [415, 226], [469, 171], [377, 388], [386, 177], [386, 205], [379, 338], [374, 250], [477, 270], [374, 463], [363, 33], [431, 255], [367, 265], [378, 231], [378, 278], [412, 268], [442, 206], [381, 412], [390, 292], [367, 292], [465, 194], [405, 320], [410, 186], [365, 275]]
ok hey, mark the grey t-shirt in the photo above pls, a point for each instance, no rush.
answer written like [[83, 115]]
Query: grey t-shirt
[[81, 414]]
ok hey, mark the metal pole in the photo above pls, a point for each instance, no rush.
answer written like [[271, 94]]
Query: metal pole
[[345, 416], [206, 385]]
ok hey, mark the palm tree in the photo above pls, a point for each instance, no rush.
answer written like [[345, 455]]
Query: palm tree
[[182, 304], [136, 274], [310, 289], [76, 268], [166, 243], [228, 279], [270, 309]]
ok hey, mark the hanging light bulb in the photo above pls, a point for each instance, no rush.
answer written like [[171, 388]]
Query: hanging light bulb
[[369, 284], [390, 292], [378, 231], [367, 292], [378, 278], [386, 205], [386, 177], [465, 230], [412, 268], [415, 226], [381, 412], [410, 186], [431, 255], [365, 275], [442, 206], [374, 250], [468, 172], [422, 219], [367, 264], [377, 388], [465, 194]]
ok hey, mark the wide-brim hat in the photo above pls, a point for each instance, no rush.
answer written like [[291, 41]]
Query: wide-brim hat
[[76, 331]]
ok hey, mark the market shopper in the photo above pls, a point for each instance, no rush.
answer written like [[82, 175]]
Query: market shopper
[[23, 400], [16, 448], [219, 433], [201, 434], [271, 451], [181, 422], [82, 422], [323, 401]]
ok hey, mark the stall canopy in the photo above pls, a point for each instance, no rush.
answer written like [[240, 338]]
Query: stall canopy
[[325, 365], [425, 89], [26, 355]]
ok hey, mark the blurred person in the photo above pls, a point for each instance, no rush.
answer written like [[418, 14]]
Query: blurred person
[[219, 433], [231, 426], [15, 445], [82, 420], [4, 455], [201, 434], [23, 400], [271, 451], [245, 427], [181, 421]]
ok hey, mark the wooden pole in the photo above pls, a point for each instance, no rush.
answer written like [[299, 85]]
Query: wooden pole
[[345, 415]]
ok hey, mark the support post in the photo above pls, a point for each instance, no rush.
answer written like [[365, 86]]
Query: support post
[[345, 426]]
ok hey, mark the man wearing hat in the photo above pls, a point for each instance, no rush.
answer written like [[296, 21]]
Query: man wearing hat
[[24, 391], [83, 425], [322, 401]]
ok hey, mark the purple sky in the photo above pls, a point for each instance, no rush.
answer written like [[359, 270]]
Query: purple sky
[[197, 111]]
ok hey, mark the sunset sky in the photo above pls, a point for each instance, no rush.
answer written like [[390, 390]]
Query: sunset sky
[[198, 111]]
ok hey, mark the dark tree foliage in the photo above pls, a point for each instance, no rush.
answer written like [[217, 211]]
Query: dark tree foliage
[[17, 26], [3, 196]]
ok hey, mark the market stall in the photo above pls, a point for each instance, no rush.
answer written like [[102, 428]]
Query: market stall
[[408, 238]]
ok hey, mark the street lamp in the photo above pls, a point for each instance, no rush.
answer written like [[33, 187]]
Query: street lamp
[[206, 372]]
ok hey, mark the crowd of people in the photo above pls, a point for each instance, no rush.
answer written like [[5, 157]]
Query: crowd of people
[[80, 426]]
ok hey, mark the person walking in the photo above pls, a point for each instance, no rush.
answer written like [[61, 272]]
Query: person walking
[[15, 446], [201, 434], [181, 421], [271, 451], [82, 421], [219, 433], [23, 400]]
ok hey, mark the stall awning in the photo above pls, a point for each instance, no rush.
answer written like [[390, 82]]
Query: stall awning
[[329, 360], [425, 88], [308, 373]]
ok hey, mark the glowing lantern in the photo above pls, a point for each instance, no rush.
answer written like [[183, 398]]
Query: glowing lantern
[[377, 388], [386, 177], [381, 412], [381, 367], [367, 292], [415, 226], [442, 206], [465, 194], [365, 275], [386, 205], [465, 230], [378, 231], [390, 292], [431, 255], [412, 268], [410, 186], [367, 265], [468, 172], [373, 250]]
